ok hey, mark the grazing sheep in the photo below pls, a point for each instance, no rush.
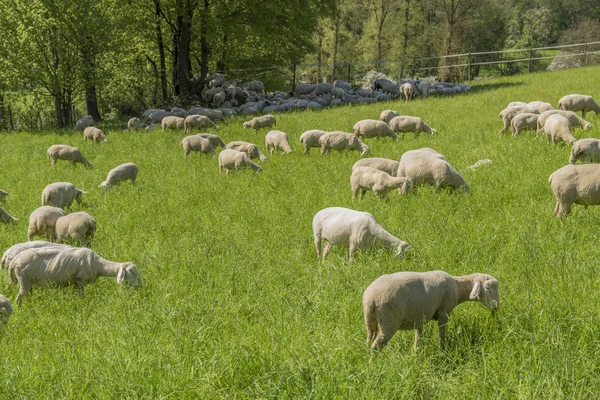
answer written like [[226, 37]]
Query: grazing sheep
[[196, 143], [369, 178], [573, 118], [214, 139], [5, 217], [119, 174], [172, 122], [353, 229], [264, 121], [5, 309], [311, 139], [387, 115], [198, 121], [425, 167], [83, 123], [152, 127], [250, 149], [14, 250], [408, 300], [575, 184], [579, 102], [382, 164], [64, 266], [410, 124], [510, 112], [134, 124], [341, 141], [585, 150], [277, 140], [558, 129], [157, 116], [61, 194], [233, 159], [516, 104], [42, 221], [3, 196], [80, 226], [407, 91], [94, 134], [68, 153], [541, 106], [369, 128], [214, 115], [524, 121]]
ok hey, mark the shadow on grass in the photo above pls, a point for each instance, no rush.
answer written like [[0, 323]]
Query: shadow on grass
[[486, 87]]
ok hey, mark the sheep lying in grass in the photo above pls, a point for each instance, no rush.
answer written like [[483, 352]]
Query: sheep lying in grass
[[134, 124], [387, 115], [83, 123], [277, 140], [264, 121], [353, 229], [579, 102], [382, 164], [369, 128], [79, 226], [575, 184], [410, 124], [198, 122], [119, 174], [425, 166], [196, 143], [250, 149], [369, 178], [61, 194], [42, 221], [408, 300], [3, 196], [6, 309], [341, 141], [172, 122], [5, 217], [232, 159], [573, 118], [311, 139], [94, 134], [558, 129], [510, 112], [524, 121], [68, 153], [64, 266], [585, 150], [214, 139]]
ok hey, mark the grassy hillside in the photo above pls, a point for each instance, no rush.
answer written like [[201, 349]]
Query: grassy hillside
[[235, 304]]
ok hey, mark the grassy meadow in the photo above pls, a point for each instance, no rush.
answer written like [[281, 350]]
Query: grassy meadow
[[234, 303]]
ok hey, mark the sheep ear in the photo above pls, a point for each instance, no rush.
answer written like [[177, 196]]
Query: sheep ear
[[475, 291], [121, 275]]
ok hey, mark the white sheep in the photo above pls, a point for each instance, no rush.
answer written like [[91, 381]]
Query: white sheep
[[406, 123], [14, 250], [541, 106], [198, 122], [387, 115], [310, 139], [5, 309], [250, 149], [263, 121], [382, 164], [64, 266], [172, 122], [573, 118], [369, 128], [83, 123], [61, 194], [68, 153], [524, 121], [196, 143], [94, 134], [408, 300], [80, 226], [510, 112], [5, 217], [516, 104], [558, 129], [427, 167], [157, 116], [353, 229], [3, 195], [341, 141], [214, 139], [42, 221], [232, 159], [277, 140], [119, 174], [407, 91], [585, 150], [369, 178], [134, 124], [579, 102], [575, 184]]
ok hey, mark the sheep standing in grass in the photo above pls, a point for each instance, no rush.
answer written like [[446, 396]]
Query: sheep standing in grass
[[42, 221], [431, 168], [79, 226], [310, 139], [575, 184], [250, 149], [214, 139], [119, 174], [573, 118], [3, 196], [232, 159], [524, 121], [172, 123], [383, 164], [579, 102], [198, 122], [341, 141], [157, 116], [353, 229], [408, 300], [14, 250], [387, 115], [64, 266], [585, 150], [61, 194], [406, 123], [369, 178], [558, 129], [5, 217], [134, 124], [6, 309], [83, 123], [510, 112], [68, 153], [407, 91], [94, 134], [264, 121], [369, 128], [277, 140], [196, 143]]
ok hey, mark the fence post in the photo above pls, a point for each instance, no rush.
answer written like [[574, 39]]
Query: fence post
[[469, 67], [294, 79], [349, 66], [585, 60], [10, 119], [530, 54]]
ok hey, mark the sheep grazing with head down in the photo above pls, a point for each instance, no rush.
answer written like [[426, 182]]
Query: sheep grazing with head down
[[5, 217], [198, 122], [579, 102], [42, 221], [541, 106], [524, 121], [233, 160], [575, 184], [250, 149], [14, 250], [68, 153], [79, 226], [387, 115], [134, 124], [157, 116], [558, 129], [61, 194], [573, 118], [277, 140], [310, 139], [83, 123], [196, 143], [172, 122], [119, 174], [94, 134], [405, 124], [214, 139], [369, 128], [369, 178], [510, 112], [383, 164], [408, 300], [426, 166], [6, 309], [585, 150], [264, 121], [341, 141]]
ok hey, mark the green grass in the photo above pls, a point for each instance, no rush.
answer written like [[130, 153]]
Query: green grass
[[235, 305]]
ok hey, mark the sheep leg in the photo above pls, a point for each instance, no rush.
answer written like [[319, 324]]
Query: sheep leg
[[557, 208], [351, 250], [354, 193], [24, 290], [418, 332], [318, 246], [442, 325], [386, 333], [306, 150], [371, 325], [326, 250], [79, 237], [362, 193], [583, 112]]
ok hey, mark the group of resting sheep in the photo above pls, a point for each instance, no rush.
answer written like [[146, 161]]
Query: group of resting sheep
[[399, 301]]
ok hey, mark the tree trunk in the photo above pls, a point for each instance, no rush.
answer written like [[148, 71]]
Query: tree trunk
[[161, 53], [184, 27], [222, 63], [88, 65], [405, 38], [319, 53], [174, 59], [58, 109], [204, 49]]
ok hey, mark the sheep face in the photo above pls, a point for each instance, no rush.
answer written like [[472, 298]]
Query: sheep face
[[403, 247], [486, 292], [129, 274], [406, 187], [78, 197]]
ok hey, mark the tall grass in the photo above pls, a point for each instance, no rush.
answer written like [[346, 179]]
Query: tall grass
[[235, 305]]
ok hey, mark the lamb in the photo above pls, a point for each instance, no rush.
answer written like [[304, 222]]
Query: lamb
[[134, 124], [119, 174], [277, 140], [3, 196], [408, 300], [425, 167], [407, 91], [410, 124], [250, 149], [5, 309], [198, 121], [510, 112], [264, 121], [214, 139], [233, 159], [353, 229], [94, 134], [369, 178], [42, 221], [196, 143], [575, 184], [387, 115], [579, 102], [311, 139], [558, 128], [5, 217], [585, 150], [172, 122], [80, 226], [369, 128], [541, 106], [341, 141], [157, 116], [58, 266], [382, 164], [573, 118], [68, 153], [524, 121], [61, 194], [83, 123]]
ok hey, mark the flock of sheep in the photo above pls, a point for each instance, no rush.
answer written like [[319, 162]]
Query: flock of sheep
[[400, 301]]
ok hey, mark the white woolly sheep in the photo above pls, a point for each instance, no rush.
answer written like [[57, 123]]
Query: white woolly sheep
[[42, 221], [369, 128], [214, 115], [510, 112], [232, 159], [250, 149], [64, 266], [353, 229], [79, 226], [369, 178], [277, 140], [406, 123], [387, 115], [61, 194], [263, 121], [196, 143], [311, 139], [157, 116], [425, 167], [5, 309], [579, 102], [407, 91], [134, 124], [524, 121], [382, 164], [558, 129], [83, 123], [119, 174], [585, 150], [341, 141], [3, 196], [14, 250], [408, 300], [5, 217], [198, 121], [541, 106], [214, 139], [94, 134], [516, 104], [573, 118], [172, 122], [575, 184], [68, 153]]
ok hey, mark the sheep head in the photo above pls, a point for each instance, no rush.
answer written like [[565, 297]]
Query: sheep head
[[129, 273], [485, 290]]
